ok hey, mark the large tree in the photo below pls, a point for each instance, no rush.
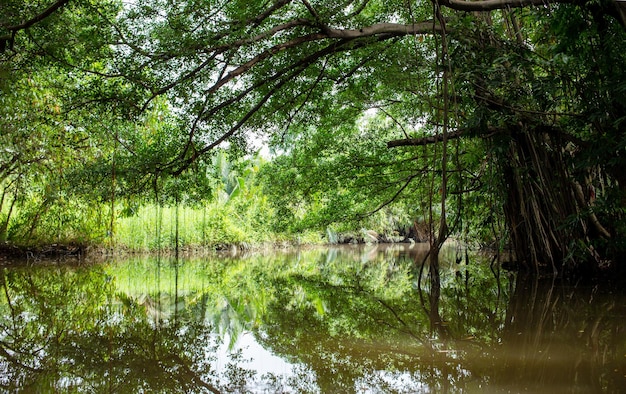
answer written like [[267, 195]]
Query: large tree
[[538, 84]]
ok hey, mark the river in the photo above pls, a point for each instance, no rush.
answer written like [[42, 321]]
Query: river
[[350, 319]]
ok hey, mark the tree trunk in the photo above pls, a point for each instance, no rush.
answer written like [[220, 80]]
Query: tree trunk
[[540, 206]]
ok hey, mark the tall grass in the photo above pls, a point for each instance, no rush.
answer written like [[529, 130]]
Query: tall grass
[[215, 225], [212, 226], [155, 227]]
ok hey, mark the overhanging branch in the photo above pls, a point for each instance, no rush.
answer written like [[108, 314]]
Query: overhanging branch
[[425, 27], [617, 9], [490, 5], [433, 139], [38, 18], [6, 41]]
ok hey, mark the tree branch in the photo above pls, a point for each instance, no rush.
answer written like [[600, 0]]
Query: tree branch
[[38, 18], [425, 27], [423, 140], [490, 5]]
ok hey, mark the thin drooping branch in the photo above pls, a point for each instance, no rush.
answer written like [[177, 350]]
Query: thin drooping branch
[[445, 85], [396, 195]]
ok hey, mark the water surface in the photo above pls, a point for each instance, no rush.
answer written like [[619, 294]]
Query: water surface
[[329, 320]]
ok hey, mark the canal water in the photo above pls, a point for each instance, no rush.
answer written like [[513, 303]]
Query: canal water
[[351, 319]]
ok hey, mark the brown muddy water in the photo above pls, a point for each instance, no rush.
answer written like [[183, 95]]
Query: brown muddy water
[[362, 319]]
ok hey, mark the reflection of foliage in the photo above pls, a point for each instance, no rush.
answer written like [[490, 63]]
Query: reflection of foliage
[[545, 321], [474, 302], [66, 330], [39, 313], [346, 319], [371, 321]]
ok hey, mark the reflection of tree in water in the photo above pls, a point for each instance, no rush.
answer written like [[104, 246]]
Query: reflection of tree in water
[[368, 335], [548, 324], [346, 322], [463, 336], [68, 330]]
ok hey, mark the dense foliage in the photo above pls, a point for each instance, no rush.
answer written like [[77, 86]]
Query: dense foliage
[[498, 121]]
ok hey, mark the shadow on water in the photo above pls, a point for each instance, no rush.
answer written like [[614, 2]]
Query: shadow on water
[[346, 319]]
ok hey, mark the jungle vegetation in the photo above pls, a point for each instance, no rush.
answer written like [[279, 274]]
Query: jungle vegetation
[[498, 121]]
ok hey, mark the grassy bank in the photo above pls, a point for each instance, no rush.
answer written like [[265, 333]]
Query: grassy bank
[[186, 228]]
